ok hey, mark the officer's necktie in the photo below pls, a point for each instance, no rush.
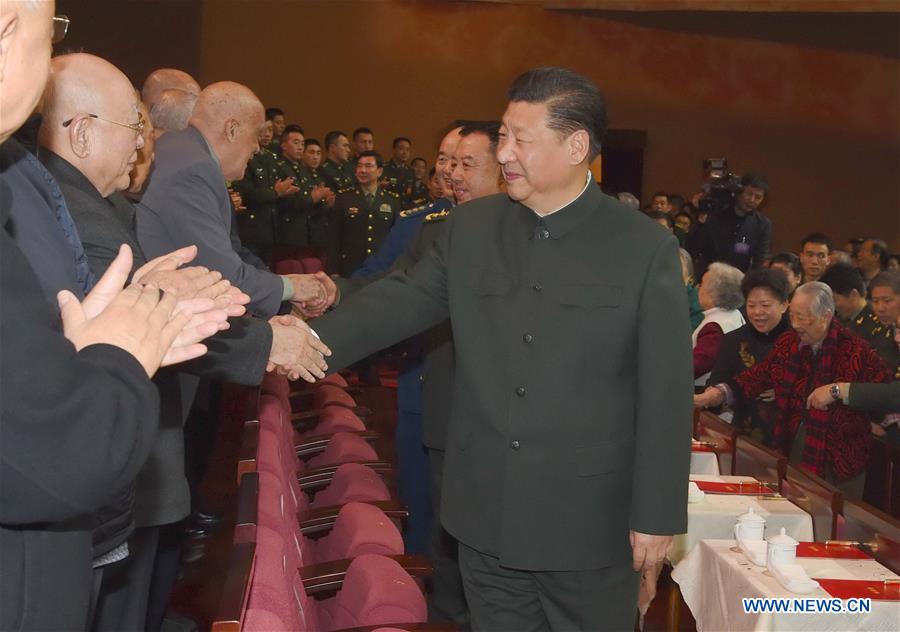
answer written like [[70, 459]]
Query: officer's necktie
[[370, 199]]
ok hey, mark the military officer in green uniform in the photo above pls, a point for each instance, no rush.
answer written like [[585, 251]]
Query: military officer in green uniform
[[416, 193], [260, 190], [398, 175], [276, 117], [855, 312], [884, 289], [292, 234], [335, 170], [567, 453], [363, 140], [322, 225], [366, 212]]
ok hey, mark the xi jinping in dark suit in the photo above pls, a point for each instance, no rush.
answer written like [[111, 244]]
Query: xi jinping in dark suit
[[567, 455]]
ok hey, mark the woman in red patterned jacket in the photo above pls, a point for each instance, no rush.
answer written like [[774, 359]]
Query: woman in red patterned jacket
[[832, 443]]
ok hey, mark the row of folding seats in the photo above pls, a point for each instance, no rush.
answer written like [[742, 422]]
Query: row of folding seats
[[833, 516], [318, 545]]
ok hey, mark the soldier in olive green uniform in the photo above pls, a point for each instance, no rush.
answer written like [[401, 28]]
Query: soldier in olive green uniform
[[323, 227], [567, 453], [857, 314], [275, 116], [256, 224], [366, 213], [398, 175], [292, 233], [335, 169]]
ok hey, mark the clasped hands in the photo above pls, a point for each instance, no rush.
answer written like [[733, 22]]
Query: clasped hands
[[313, 294], [296, 351], [161, 317]]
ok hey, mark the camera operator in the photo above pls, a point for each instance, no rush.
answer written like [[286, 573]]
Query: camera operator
[[736, 232]]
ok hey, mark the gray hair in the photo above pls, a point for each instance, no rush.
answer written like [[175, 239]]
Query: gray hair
[[629, 199], [687, 264], [173, 110], [724, 285], [821, 298]]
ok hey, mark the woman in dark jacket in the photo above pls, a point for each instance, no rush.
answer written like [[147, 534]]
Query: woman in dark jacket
[[766, 293]]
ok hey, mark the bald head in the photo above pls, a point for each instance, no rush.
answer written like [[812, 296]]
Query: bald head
[[99, 108], [164, 79], [230, 117], [226, 100]]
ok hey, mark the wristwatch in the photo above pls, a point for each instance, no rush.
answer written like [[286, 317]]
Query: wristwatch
[[835, 392]]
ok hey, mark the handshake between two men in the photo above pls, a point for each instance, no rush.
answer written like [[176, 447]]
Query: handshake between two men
[[296, 351], [163, 316]]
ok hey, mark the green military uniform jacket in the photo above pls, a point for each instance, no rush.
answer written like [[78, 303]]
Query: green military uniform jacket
[[399, 176], [571, 410], [363, 226], [416, 194], [867, 326], [293, 209], [257, 188], [338, 176]]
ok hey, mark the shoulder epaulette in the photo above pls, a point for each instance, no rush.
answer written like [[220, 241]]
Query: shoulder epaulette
[[409, 212], [437, 217], [394, 193], [347, 190]]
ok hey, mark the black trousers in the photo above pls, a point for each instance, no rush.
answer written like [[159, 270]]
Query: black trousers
[[447, 601], [125, 588], [503, 599]]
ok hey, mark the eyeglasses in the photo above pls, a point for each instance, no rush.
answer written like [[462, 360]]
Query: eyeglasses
[[60, 28], [137, 127]]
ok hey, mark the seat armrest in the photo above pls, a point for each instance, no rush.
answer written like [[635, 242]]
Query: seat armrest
[[318, 443], [248, 450], [247, 508], [316, 521], [235, 588], [323, 580], [412, 627], [321, 476]]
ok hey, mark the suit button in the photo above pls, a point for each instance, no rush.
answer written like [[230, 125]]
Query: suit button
[[370, 228], [527, 338], [545, 234], [520, 391], [369, 238], [537, 287], [368, 251], [514, 444]]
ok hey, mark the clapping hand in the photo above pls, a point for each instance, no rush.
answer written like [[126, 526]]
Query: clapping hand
[[285, 187], [141, 320], [296, 351]]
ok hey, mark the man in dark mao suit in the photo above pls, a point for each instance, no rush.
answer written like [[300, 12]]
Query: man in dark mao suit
[[567, 454]]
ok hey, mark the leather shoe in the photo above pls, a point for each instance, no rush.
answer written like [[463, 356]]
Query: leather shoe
[[202, 518], [198, 532]]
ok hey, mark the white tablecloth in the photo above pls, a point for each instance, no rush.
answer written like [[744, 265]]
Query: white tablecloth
[[704, 463], [714, 517], [713, 579]]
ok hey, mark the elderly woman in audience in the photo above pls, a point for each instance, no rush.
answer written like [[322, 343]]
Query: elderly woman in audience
[[687, 275], [720, 297], [819, 351], [789, 263], [766, 294]]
